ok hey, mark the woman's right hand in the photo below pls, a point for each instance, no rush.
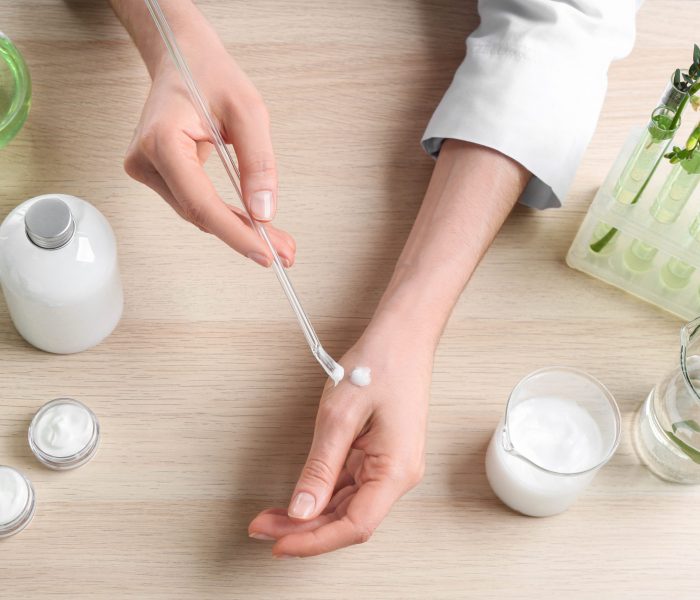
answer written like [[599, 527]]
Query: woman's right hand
[[170, 146]]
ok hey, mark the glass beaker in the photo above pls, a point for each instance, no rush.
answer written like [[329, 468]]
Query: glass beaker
[[561, 426], [15, 90], [667, 428]]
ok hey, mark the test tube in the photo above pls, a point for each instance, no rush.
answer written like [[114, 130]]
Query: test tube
[[675, 193], [647, 153]]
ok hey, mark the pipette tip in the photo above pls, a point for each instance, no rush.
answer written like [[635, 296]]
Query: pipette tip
[[335, 371]]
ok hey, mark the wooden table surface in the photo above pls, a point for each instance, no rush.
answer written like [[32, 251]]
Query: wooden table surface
[[206, 392]]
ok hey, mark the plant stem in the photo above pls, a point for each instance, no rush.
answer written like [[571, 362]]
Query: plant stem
[[604, 241]]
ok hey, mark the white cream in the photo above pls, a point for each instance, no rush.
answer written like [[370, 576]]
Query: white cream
[[337, 374], [361, 376], [554, 433], [63, 429], [14, 495]]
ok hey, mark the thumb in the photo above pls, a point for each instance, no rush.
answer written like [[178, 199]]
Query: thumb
[[256, 160], [334, 434]]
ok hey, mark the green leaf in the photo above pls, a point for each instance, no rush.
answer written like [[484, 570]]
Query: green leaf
[[688, 450], [689, 424], [696, 54], [676, 77]]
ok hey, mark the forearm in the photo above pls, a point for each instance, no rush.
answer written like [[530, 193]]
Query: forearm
[[184, 17], [471, 193]]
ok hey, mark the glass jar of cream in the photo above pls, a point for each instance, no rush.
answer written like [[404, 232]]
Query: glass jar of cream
[[64, 434], [17, 501]]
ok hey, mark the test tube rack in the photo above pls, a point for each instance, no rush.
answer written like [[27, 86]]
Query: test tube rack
[[659, 263]]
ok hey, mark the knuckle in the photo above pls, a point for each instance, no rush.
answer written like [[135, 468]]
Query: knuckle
[[260, 163], [247, 107], [415, 474], [363, 535], [256, 108], [317, 470], [133, 166], [362, 531], [407, 473], [336, 416], [148, 141], [152, 139], [193, 212]]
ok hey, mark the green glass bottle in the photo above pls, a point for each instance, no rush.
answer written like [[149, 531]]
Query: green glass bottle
[[15, 90]]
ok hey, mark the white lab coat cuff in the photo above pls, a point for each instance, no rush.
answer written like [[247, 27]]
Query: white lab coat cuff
[[539, 109]]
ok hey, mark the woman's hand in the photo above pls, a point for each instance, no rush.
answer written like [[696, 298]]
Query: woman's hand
[[367, 451], [171, 144]]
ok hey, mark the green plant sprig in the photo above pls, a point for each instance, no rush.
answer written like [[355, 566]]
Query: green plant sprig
[[692, 144], [689, 83]]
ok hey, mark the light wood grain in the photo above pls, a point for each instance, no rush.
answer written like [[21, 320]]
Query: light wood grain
[[206, 391]]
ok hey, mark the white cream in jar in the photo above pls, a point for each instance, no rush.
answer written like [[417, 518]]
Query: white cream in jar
[[16, 501], [64, 434]]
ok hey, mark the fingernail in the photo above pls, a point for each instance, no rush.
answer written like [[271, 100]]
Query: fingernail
[[285, 261], [302, 506], [261, 259], [261, 536], [261, 205], [283, 556]]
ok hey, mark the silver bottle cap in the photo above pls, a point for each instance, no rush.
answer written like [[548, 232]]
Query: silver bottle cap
[[49, 223]]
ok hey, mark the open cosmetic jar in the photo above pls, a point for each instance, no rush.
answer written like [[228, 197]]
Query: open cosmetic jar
[[17, 501], [64, 434]]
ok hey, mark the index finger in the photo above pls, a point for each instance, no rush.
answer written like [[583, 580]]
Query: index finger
[[177, 162], [365, 512]]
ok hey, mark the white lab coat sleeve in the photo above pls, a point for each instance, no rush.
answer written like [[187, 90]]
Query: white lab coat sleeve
[[533, 83]]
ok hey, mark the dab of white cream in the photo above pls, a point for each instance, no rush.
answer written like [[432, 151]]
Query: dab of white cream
[[361, 376], [337, 374]]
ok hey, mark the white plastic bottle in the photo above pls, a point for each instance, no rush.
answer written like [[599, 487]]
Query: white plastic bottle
[[59, 273]]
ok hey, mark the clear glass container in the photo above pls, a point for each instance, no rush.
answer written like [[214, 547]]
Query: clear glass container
[[667, 426], [560, 427], [15, 90], [64, 434], [647, 153], [17, 501]]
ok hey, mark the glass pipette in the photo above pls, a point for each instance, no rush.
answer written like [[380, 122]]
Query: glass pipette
[[330, 366]]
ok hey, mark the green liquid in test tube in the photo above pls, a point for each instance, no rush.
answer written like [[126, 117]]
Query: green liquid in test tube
[[646, 154], [677, 190], [676, 274], [639, 256]]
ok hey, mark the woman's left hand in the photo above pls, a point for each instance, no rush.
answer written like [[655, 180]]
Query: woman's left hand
[[367, 451]]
